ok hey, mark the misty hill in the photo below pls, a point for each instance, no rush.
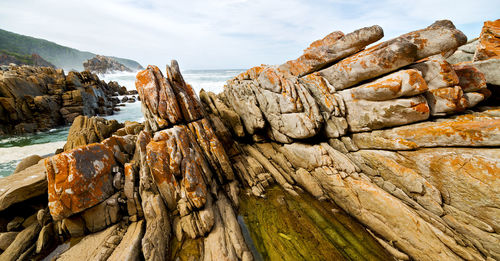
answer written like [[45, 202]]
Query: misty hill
[[61, 56]]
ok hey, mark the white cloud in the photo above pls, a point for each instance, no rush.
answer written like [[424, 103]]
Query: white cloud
[[227, 33]]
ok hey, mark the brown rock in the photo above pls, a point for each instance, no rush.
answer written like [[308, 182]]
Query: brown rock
[[23, 241], [27, 162], [85, 130]]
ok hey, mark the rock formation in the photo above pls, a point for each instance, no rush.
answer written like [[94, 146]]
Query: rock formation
[[102, 64], [275, 165], [40, 98]]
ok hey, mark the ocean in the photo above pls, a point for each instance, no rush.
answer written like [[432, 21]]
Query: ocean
[[14, 148]]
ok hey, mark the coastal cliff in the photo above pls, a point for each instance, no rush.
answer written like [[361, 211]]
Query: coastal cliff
[[348, 152]]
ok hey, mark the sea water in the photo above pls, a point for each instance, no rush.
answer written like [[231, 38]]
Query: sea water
[[14, 148]]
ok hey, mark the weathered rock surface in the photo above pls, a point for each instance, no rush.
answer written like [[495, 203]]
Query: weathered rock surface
[[79, 179], [40, 98], [102, 64]]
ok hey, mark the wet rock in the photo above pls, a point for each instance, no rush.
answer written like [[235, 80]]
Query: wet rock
[[79, 179]]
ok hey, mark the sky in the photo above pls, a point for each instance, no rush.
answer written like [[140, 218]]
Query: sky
[[226, 34]]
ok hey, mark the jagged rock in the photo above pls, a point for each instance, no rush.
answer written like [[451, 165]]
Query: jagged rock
[[85, 130], [79, 179], [26, 184], [170, 149], [102, 64], [27, 162], [158, 227], [488, 41]]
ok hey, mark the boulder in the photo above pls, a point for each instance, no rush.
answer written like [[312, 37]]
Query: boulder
[[27, 162], [86, 130], [79, 179], [26, 184]]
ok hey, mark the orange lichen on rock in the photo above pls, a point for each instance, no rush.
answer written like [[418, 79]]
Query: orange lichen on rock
[[178, 167], [447, 100], [489, 41], [79, 179], [401, 83], [333, 47], [470, 78]]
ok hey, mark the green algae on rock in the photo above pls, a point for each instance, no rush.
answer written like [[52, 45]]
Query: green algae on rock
[[284, 227]]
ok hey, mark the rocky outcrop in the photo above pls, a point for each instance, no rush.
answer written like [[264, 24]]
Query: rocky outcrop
[[85, 130], [388, 142], [103, 64], [40, 98]]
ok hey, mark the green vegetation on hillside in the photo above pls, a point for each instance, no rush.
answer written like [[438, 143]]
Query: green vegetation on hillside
[[61, 56], [24, 59]]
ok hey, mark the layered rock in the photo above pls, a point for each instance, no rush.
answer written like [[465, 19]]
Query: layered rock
[[39, 98], [368, 130], [101, 64]]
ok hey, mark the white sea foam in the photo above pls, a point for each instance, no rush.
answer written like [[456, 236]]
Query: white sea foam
[[18, 153]]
